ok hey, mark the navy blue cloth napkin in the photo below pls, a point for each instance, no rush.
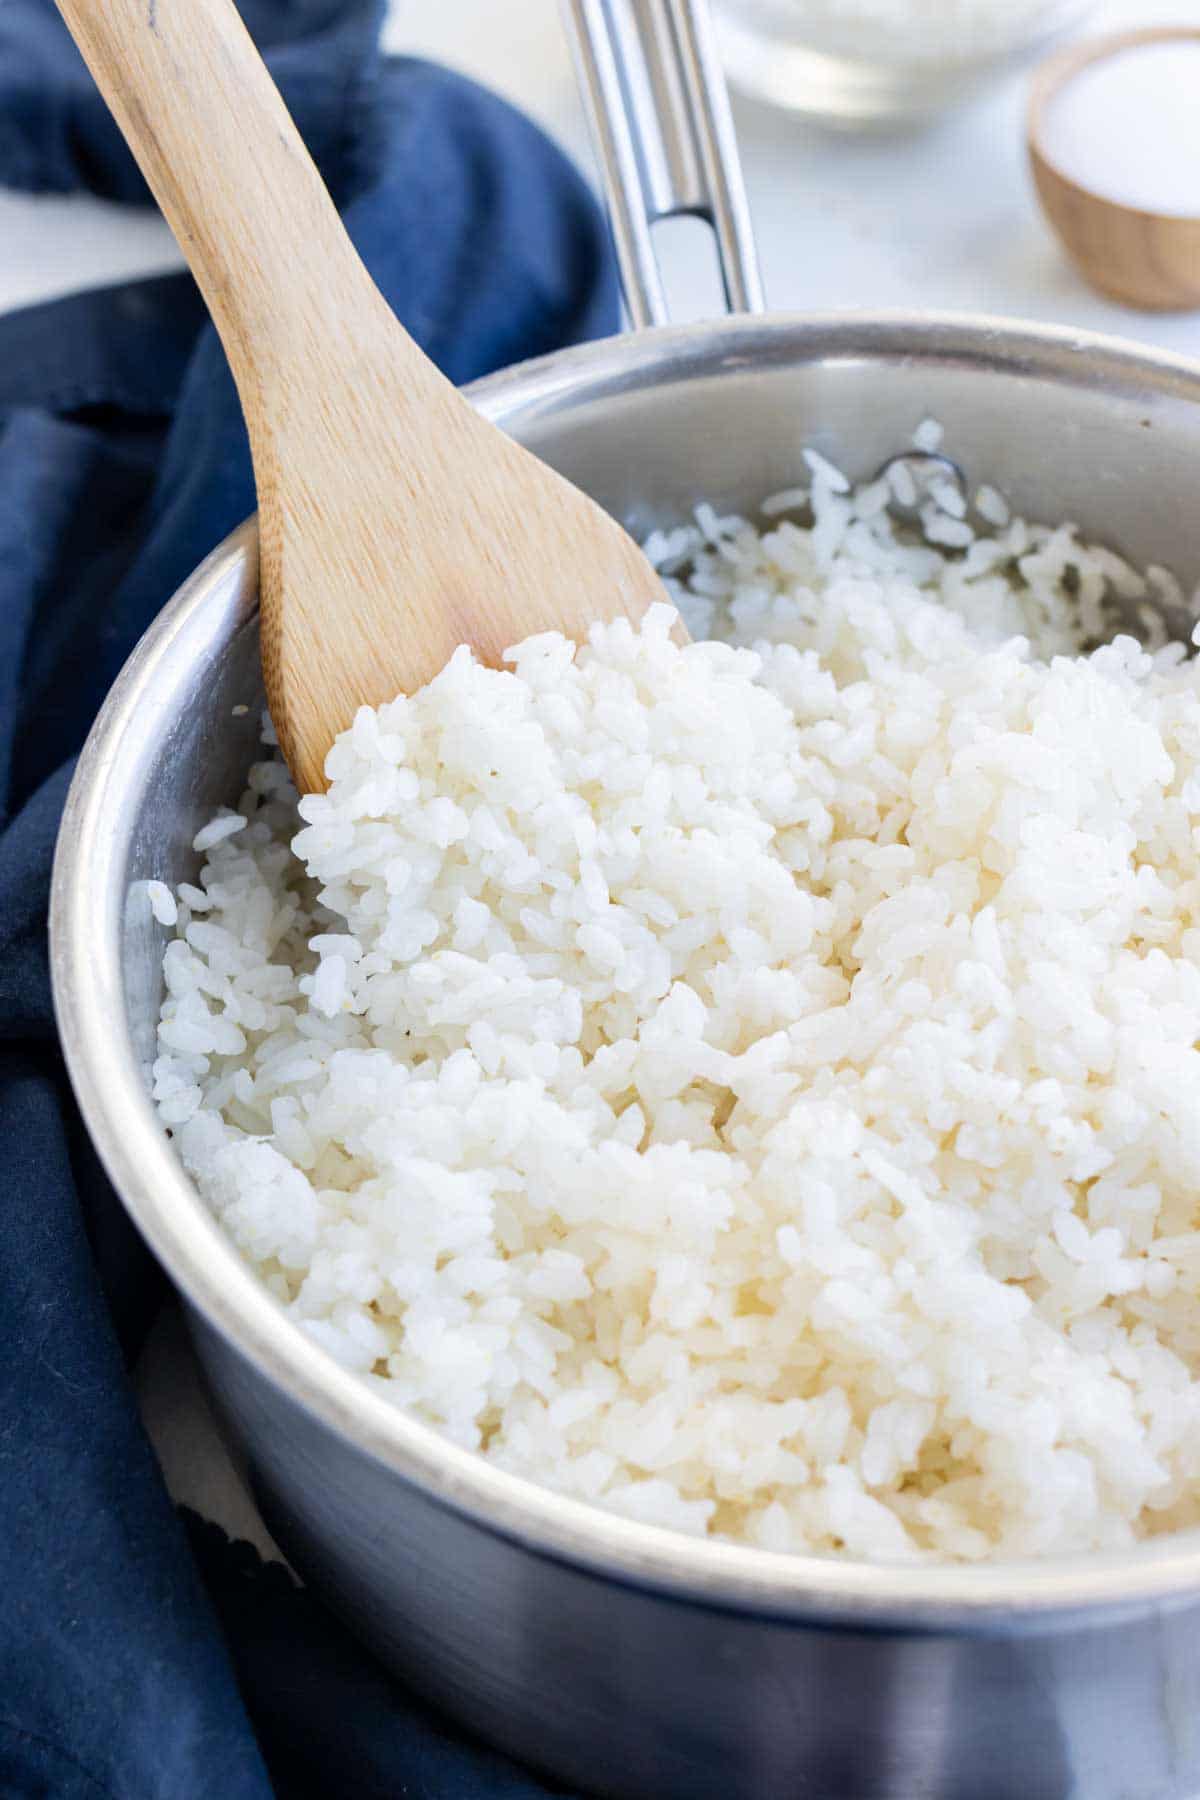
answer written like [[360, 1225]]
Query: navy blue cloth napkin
[[143, 1657]]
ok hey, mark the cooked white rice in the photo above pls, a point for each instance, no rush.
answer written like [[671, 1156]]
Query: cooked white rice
[[162, 902], [755, 1090]]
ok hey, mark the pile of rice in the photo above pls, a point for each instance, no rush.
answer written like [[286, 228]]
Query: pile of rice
[[754, 1089]]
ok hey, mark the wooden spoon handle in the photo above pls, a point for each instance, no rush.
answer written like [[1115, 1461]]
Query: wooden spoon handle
[[230, 172]]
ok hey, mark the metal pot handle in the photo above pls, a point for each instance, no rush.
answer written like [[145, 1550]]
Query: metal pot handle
[[659, 111]]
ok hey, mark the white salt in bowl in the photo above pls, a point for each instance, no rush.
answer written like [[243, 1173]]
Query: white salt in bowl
[[1114, 146], [881, 63]]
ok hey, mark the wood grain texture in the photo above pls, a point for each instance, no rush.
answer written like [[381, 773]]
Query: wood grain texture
[[1147, 260], [395, 523]]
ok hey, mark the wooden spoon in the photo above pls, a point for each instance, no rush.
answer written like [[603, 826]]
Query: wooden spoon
[[395, 523]]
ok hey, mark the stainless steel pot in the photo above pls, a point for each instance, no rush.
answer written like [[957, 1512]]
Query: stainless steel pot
[[625, 1659]]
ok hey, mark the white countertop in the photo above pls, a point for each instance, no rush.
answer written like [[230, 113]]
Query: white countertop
[[941, 220]]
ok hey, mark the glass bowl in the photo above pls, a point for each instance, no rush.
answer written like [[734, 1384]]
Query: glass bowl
[[862, 63]]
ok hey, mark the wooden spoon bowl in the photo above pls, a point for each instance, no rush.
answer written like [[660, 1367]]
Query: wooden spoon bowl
[[395, 523], [1144, 259]]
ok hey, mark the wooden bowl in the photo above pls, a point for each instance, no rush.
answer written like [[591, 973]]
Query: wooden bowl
[[1147, 260]]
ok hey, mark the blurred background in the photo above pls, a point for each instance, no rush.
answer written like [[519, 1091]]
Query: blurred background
[[940, 215]]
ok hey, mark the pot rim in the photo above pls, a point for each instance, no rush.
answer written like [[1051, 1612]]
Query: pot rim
[[110, 1088]]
